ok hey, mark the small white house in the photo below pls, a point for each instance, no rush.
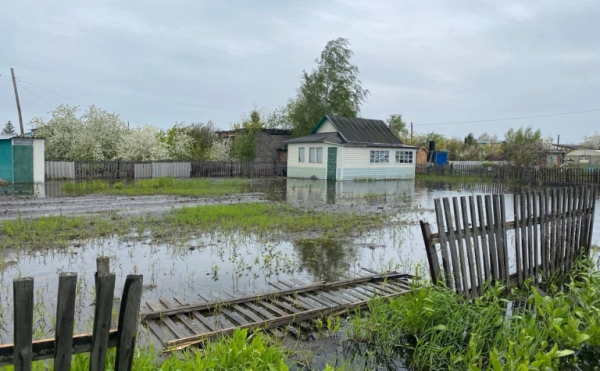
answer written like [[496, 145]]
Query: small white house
[[344, 148]]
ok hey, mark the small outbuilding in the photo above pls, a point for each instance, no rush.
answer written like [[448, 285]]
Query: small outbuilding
[[422, 155], [583, 158], [21, 160], [344, 148]]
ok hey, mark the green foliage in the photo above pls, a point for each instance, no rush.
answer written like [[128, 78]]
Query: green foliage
[[444, 331], [190, 143], [398, 126], [523, 146], [332, 88], [9, 128], [244, 145], [470, 140]]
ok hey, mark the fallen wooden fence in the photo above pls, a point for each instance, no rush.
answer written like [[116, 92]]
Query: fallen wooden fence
[[61, 348], [181, 325], [551, 228]]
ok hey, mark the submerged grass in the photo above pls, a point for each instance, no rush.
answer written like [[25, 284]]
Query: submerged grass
[[236, 353], [160, 186], [262, 219], [436, 329]]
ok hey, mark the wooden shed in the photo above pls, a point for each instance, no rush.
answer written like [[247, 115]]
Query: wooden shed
[[422, 155], [21, 160]]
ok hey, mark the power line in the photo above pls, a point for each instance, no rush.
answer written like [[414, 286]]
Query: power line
[[510, 118], [83, 104], [121, 95], [37, 96]]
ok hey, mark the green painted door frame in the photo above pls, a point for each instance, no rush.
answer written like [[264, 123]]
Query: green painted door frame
[[331, 163]]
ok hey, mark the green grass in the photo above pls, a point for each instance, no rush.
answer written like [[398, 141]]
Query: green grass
[[160, 186], [437, 329], [263, 219], [239, 352]]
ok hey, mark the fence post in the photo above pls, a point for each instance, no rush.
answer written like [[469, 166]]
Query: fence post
[[105, 287], [65, 314], [128, 322], [23, 323]]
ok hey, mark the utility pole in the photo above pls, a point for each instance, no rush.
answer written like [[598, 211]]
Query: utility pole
[[558, 140], [411, 133], [12, 71]]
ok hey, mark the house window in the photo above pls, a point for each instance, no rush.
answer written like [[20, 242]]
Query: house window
[[301, 154], [380, 157], [404, 157], [315, 155]]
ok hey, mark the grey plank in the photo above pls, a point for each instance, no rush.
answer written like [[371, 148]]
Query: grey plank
[[65, 316], [491, 225], [432, 258], [460, 245], [167, 321], [23, 323], [523, 225], [504, 235], [102, 319], [448, 276], [473, 265], [484, 238], [474, 231], [453, 249], [518, 221], [129, 314], [182, 317]]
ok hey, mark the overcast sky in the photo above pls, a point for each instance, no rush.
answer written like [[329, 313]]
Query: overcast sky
[[198, 60]]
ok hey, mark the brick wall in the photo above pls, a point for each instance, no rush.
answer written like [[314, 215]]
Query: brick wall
[[266, 146]]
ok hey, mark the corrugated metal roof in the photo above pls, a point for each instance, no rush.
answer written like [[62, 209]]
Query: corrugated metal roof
[[7, 136], [356, 130], [317, 138]]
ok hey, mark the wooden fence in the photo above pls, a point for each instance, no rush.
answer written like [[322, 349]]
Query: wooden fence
[[139, 169], [61, 348], [551, 228], [518, 173]]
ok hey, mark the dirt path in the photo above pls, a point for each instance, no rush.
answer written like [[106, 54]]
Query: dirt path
[[30, 207]]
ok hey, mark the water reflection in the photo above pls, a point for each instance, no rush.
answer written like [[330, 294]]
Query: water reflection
[[324, 258], [35, 189]]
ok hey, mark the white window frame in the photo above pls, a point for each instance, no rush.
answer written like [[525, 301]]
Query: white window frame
[[379, 157], [313, 155], [405, 157], [301, 156]]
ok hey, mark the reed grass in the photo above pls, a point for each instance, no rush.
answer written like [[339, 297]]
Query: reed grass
[[437, 329]]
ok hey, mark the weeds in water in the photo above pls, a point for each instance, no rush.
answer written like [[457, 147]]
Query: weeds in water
[[437, 329], [160, 186]]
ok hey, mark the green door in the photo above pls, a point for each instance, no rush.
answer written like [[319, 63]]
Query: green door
[[331, 163], [23, 160]]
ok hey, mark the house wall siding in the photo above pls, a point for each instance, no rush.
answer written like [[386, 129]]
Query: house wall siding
[[6, 160], [306, 169], [327, 127], [39, 164], [357, 165]]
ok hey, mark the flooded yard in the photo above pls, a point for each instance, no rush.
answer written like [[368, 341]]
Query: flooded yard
[[237, 262]]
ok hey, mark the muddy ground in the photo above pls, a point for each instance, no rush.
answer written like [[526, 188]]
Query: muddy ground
[[32, 207]]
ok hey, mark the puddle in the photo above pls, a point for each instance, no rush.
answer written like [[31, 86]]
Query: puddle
[[235, 263]]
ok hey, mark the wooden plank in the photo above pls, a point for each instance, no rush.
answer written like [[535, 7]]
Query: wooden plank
[[474, 233], [543, 231], [65, 316], [234, 317], [593, 197], [577, 220], [267, 324], [182, 317], [484, 238], [491, 233], [320, 301], [354, 294], [128, 322], [569, 238], [448, 277], [584, 217], [499, 238], [23, 323], [102, 265], [157, 331], [473, 265], [523, 225], [461, 250], [44, 348], [102, 319], [432, 258], [311, 288], [260, 310], [518, 222], [197, 315], [561, 245], [536, 227], [453, 249], [530, 227], [298, 282], [381, 289], [504, 239], [167, 321]]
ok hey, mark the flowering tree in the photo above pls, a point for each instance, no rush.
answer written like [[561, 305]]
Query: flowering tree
[[220, 151], [143, 144], [592, 141], [95, 135]]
